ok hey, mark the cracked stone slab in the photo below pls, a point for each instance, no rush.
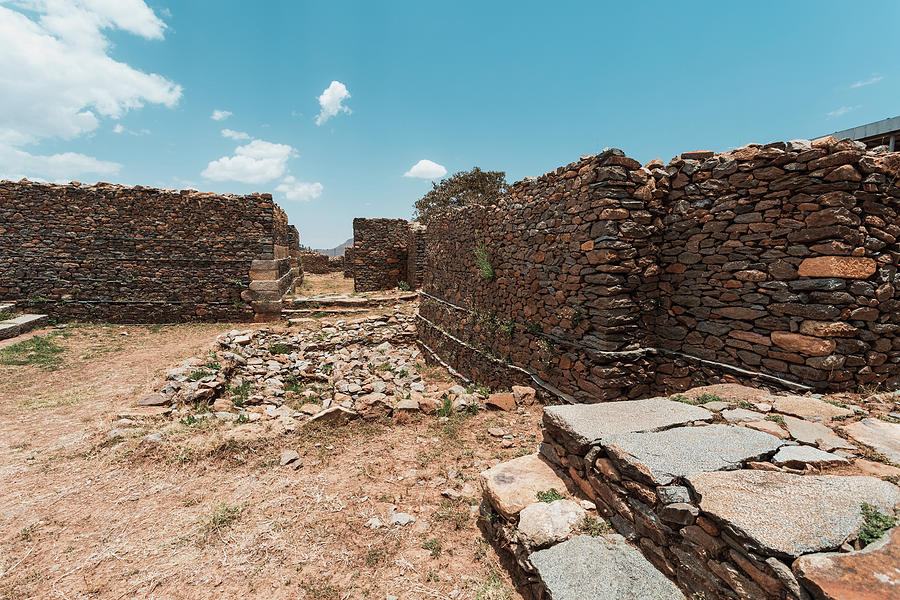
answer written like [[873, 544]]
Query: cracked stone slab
[[514, 484], [660, 457], [783, 514], [600, 568], [586, 424], [806, 407], [872, 573], [881, 435], [545, 523], [797, 457], [815, 433]]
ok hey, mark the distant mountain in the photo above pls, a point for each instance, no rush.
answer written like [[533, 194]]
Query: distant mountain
[[337, 250]]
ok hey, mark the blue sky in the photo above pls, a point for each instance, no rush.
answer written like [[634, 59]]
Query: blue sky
[[124, 90]]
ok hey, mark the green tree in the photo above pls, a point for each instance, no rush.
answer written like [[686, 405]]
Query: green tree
[[461, 189]]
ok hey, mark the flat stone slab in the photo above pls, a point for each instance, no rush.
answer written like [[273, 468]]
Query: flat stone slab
[[739, 415], [815, 433], [660, 457], [514, 484], [872, 573], [21, 324], [587, 424], [600, 568], [881, 435], [730, 392], [790, 515], [796, 457], [806, 407]]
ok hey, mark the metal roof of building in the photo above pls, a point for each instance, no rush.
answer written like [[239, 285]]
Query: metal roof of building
[[864, 131]]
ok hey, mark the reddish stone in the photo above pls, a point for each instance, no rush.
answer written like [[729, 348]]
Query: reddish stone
[[503, 401], [870, 574], [803, 344], [737, 312], [828, 329], [847, 267], [697, 154]]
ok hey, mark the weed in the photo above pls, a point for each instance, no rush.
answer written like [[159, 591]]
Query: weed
[[319, 589], [835, 403], [327, 368], [40, 350], [550, 495], [6, 315], [279, 348], [432, 577], [681, 398], [452, 513], [198, 375], [707, 397], [221, 519], [507, 327], [403, 373], [240, 393], [446, 408], [745, 405], [888, 418], [895, 479], [533, 327], [594, 526], [492, 588], [28, 532], [375, 556], [189, 420], [875, 523], [403, 286], [483, 262], [434, 545], [775, 419]]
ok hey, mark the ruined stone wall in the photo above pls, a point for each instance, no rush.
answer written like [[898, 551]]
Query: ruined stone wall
[[379, 253], [415, 261], [348, 262], [140, 254], [314, 262], [772, 264]]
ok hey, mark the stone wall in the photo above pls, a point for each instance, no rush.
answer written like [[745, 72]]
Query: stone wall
[[314, 262], [142, 255], [415, 260], [606, 279], [348, 262], [379, 253]]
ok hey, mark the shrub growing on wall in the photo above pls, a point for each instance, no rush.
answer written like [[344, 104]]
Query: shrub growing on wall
[[461, 189]]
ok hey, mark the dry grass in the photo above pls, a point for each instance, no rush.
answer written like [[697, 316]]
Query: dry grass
[[329, 283], [197, 516]]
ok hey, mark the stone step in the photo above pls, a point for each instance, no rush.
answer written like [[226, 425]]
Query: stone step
[[347, 301], [296, 312], [21, 324], [7, 306], [536, 516], [712, 506]]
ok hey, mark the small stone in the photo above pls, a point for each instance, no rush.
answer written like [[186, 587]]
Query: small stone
[[402, 519], [716, 405], [374, 523], [153, 400], [496, 432], [336, 415], [523, 395], [154, 438], [514, 484], [545, 523], [288, 456], [223, 405], [504, 401], [803, 344], [679, 513], [673, 494], [769, 427], [846, 267]]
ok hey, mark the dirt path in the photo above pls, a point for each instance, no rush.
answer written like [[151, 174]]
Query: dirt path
[[196, 516]]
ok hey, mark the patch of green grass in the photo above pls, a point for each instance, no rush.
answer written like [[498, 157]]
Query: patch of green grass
[[327, 368], [550, 495], [745, 405], [189, 420], [375, 556], [453, 513], [775, 419], [6, 315], [40, 350], [835, 403], [319, 589], [707, 397], [279, 348], [593, 526], [403, 373], [434, 545], [198, 375], [240, 393], [492, 588], [403, 286], [292, 385], [446, 408], [483, 262], [221, 518], [682, 398], [875, 524]]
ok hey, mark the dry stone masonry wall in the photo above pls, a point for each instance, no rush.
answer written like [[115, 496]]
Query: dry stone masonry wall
[[606, 279], [379, 253], [141, 254]]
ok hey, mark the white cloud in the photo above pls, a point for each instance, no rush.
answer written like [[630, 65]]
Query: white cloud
[[331, 101], [300, 191], [58, 80], [17, 164], [256, 162], [840, 112], [118, 128], [235, 135], [220, 115], [872, 80], [426, 169]]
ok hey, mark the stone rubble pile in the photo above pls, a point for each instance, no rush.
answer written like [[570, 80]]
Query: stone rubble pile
[[728, 491], [368, 368]]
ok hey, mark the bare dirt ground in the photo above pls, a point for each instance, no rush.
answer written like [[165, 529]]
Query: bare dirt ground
[[195, 516]]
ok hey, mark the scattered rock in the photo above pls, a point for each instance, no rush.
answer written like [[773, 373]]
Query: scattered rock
[[513, 485], [523, 395], [797, 457], [336, 415], [402, 519], [809, 408], [503, 401], [288, 457], [154, 400]]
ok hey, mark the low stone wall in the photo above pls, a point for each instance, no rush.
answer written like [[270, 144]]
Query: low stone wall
[[379, 253], [313, 262], [139, 254], [348, 262], [607, 279]]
